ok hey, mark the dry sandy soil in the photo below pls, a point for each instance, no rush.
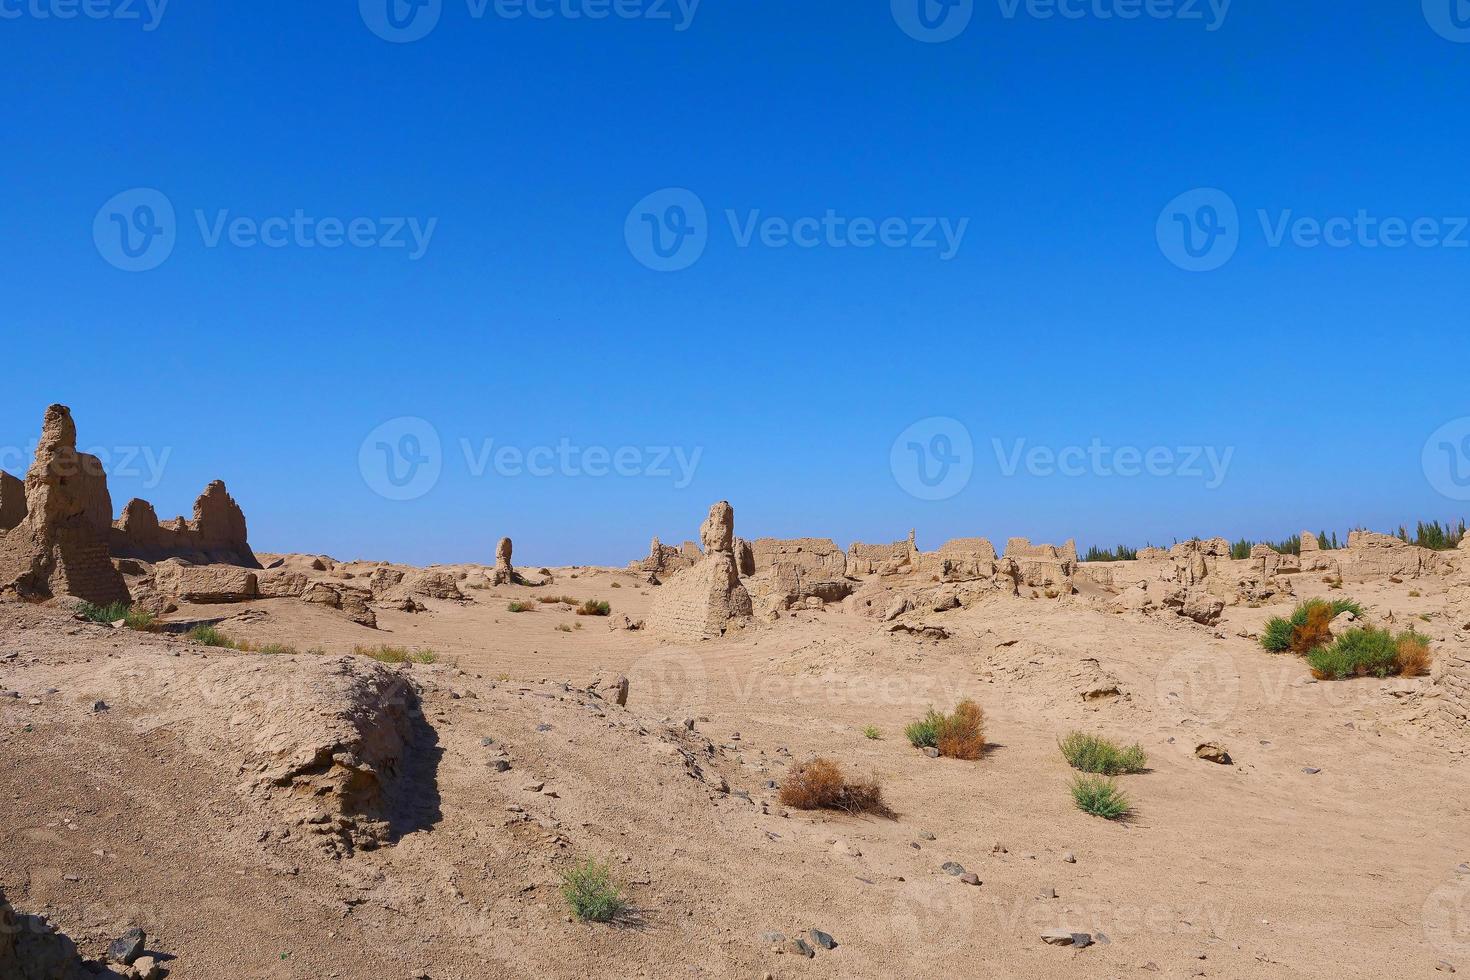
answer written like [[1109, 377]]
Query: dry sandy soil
[[151, 812]]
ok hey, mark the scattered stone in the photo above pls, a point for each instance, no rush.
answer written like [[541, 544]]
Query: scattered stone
[[970, 878], [925, 835], [127, 947], [1069, 857], [775, 938], [822, 939], [800, 948], [931, 752], [1066, 937], [1444, 966], [145, 968], [1311, 770], [952, 868], [1048, 892], [500, 765], [100, 706]]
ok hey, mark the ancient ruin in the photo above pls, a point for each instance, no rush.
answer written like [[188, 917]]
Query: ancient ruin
[[60, 547], [216, 536], [706, 599], [504, 573]]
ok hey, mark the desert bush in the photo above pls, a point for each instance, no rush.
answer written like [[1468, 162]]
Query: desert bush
[[563, 628], [384, 653], [107, 614], [1306, 628], [591, 893], [595, 607], [1101, 797], [617, 585], [1368, 652], [871, 732], [820, 785], [1413, 659], [550, 599], [1092, 753], [520, 607], [961, 735]]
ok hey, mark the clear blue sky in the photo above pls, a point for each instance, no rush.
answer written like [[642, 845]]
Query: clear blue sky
[[529, 320]]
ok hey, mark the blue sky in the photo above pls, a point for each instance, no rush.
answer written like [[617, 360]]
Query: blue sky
[[520, 149]]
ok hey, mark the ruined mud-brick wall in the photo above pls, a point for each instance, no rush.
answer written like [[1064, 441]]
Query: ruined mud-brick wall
[[814, 554], [12, 501], [1043, 565], [960, 558], [216, 535], [707, 599], [865, 559], [1452, 682], [665, 558]]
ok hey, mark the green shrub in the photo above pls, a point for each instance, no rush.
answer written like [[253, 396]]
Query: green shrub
[[871, 732], [595, 607], [141, 620], [520, 607], [396, 655], [210, 637], [105, 615], [1092, 753], [591, 894], [1101, 797], [1362, 653], [1280, 633], [924, 733]]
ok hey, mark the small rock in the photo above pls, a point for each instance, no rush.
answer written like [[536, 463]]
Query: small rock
[[970, 878], [931, 751], [1443, 966], [1311, 770], [500, 765], [487, 741], [1048, 892], [1069, 857], [925, 835], [952, 868], [774, 938], [1213, 752], [1066, 937], [145, 968], [128, 947], [800, 948], [98, 706], [822, 939]]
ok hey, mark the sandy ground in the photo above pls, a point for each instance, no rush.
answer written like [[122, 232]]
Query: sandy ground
[[1258, 869]]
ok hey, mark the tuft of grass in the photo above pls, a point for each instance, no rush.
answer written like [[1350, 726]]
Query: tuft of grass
[[924, 733], [277, 649], [1093, 753], [105, 615], [395, 655], [595, 607], [617, 585], [1414, 593], [1371, 652], [820, 785], [563, 628], [590, 892], [211, 637], [520, 607], [1101, 797], [872, 732]]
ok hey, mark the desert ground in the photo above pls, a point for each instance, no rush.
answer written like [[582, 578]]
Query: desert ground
[[268, 798]]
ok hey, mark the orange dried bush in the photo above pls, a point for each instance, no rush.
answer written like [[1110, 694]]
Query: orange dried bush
[[1413, 655], [1315, 632], [820, 785], [961, 735]]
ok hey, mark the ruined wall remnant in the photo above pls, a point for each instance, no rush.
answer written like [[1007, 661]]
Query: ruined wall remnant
[[870, 559], [12, 501], [216, 536], [1043, 565], [505, 573], [706, 599], [61, 546], [665, 559]]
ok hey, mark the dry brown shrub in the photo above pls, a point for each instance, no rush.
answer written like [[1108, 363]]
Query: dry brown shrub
[[820, 785], [962, 734], [1316, 632], [1413, 655]]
